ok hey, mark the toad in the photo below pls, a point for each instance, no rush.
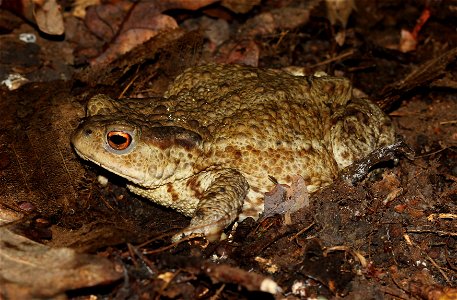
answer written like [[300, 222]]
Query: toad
[[209, 147]]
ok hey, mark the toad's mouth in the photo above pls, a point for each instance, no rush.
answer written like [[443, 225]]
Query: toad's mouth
[[110, 169]]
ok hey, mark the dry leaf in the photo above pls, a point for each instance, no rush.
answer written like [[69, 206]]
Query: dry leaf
[[239, 52], [32, 270], [130, 38], [240, 6], [48, 16], [124, 25], [286, 200], [277, 19], [407, 41], [79, 7], [8, 215], [339, 10]]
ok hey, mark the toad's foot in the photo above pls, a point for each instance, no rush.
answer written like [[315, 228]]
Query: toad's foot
[[219, 205]]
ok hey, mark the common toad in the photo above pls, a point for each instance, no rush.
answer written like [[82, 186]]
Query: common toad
[[208, 147]]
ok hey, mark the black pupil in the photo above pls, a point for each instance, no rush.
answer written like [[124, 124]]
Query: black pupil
[[118, 139]]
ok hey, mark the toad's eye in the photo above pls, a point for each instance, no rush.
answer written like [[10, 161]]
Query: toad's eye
[[119, 140]]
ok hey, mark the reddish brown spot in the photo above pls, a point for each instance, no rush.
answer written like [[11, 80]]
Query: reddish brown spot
[[172, 192], [345, 155], [194, 185]]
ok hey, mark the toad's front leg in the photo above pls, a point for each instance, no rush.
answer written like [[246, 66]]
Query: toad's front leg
[[219, 204]]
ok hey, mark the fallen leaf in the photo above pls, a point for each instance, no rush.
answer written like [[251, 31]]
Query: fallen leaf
[[239, 52], [8, 215], [408, 40], [80, 6], [217, 31], [32, 270], [339, 11], [129, 39], [48, 16], [277, 19], [240, 6], [124, 25], [286, 200]]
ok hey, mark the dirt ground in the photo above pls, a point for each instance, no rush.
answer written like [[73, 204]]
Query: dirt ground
[[391, 236]]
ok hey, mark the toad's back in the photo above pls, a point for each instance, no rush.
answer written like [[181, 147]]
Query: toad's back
[[261, 122]]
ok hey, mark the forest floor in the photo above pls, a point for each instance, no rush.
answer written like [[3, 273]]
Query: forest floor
[[391, 236]]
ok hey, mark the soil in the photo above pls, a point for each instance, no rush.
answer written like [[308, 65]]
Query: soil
[[392, 235]]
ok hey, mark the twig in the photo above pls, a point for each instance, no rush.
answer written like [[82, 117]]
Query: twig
[[186, 238], [130, 82], [218, 292], [438, 267], [357, 255], [438, 232], [301, 231], [432, 153], [432, 217], [432, 261], [336, 58], [399, 293], [160, 236], [448, 122], [166, 284]]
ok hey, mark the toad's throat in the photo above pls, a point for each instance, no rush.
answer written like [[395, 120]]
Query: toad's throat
[[110, 169]]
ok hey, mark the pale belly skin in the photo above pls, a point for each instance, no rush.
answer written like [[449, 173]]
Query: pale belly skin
[[209, 147]]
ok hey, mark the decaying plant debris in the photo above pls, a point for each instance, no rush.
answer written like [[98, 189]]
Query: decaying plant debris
[[392, 235]]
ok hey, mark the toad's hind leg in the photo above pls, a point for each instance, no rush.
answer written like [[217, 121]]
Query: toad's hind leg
[[219, 205], [357, 130]]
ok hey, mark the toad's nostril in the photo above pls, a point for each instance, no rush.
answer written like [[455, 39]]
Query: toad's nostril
[[87, 132]]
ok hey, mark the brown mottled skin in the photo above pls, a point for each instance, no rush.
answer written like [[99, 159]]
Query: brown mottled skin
[[208, 147]]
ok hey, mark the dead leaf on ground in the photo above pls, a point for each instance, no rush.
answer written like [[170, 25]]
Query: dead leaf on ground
[[142, 22], [284, 18], [217, 31], [331, 269], [339, 10], [244, 52], [409, 39], [32, 270], [8, 215], [240, 6], [48, 16], [286, 200], [133, 23], [80, 6]]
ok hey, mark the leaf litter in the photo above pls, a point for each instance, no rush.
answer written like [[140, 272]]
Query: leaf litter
[[392, 235]]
